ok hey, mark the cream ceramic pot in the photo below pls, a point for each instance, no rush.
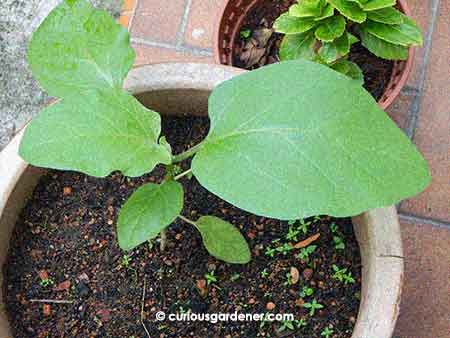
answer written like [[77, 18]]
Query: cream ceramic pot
[[184, 89]]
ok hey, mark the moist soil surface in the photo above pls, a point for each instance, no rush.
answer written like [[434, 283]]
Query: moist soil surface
[[65, 248], [262, 46]]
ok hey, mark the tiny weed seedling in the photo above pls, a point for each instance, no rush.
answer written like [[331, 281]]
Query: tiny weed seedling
[[125, 262], [306, 291], [333, 228], [286, 325], [81, 56], [210, 278], [288, 281], [312, 307], [264, 273], [324, 31], [292, 234], [306, 252], [326, 332], [245, 33], [46, 282], [235, 277], [342, 275], [304, 226], [338, 243]]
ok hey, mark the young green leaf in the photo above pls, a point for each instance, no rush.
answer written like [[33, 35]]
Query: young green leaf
[[388, 15], [297, 155], [350, 10], [349, 69], [223, 240], [327, 11], [296, 46], [149, 210], [330, 29], [373, 5], [331, 51], [291, 25], [307, 8], [381, 48], [404, 34], [96, 133], [79, 48]]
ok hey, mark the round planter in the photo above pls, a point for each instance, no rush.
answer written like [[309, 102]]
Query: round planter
[[234, 12], [184, 89]]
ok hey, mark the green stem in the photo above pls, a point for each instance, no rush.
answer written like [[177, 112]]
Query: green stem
[[188, 153], [176, 178], [187, 220]]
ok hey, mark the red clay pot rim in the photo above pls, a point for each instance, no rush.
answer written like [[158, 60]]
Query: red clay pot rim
[[398, 78]]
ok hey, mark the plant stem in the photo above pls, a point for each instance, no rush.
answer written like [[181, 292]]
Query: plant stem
[[176, 178], [163, 242], [188, 153], [187, 220]]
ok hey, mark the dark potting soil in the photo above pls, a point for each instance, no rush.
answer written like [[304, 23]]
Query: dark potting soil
[[262, 47], [65, 248]]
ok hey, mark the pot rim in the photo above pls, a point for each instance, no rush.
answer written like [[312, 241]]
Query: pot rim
[[377, 231], [401, 69]]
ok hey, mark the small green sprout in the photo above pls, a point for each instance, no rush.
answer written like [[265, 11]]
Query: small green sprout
[[125, 263], [270, 252], [305, 252], [338, 243], [285, 248], [300, 323], [46, 282], [306, 291], [235, 277], [210, 278], [292, 234], [312, 306], [245, 33], [267, 294], [342, 275], [286, 325], [333, 227], [288, 279], [304, 226], [264, 273], [326, 332]]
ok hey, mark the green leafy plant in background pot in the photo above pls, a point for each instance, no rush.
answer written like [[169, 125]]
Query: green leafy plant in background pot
[[320, 30], [320, 145]]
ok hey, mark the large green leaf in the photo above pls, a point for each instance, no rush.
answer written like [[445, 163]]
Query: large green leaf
[[82, 55], [349, 9], [79, 48], [373, 5], [382, 48], [96, 133], [404, 34], [331, 28], [388, 15], [291, 25], [322, 147], [307, 8], [295, 46], [223, 240], [149, 210]]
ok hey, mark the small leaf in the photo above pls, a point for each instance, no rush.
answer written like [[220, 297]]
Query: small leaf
[[223, 240], [96, 133], [349, 69], [165, 144], [360, 3], [149, 210], [350, 10], [307, 8], [291, 25], [388, 15], [79, 48], [352, 39], [372, 5], [405, 34], [330, 29], [327, 11], [331, 51], [382, 48], [295, 46]]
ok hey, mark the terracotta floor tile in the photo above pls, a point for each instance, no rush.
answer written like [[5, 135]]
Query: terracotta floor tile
[[201, 23], [158, 20], [425, 306], [433, 129]]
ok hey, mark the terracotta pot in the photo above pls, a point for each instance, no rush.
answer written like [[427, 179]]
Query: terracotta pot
[[231, 18], [184, 89]]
